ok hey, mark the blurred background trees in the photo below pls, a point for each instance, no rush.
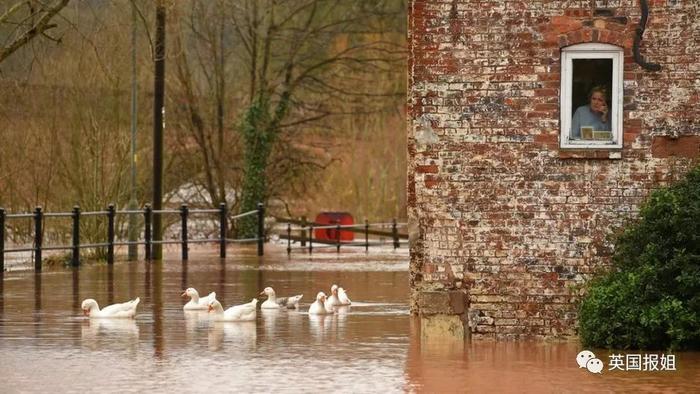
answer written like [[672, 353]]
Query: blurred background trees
[[296, 103]]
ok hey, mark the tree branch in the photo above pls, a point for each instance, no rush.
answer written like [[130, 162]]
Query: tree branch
[[37, 28]]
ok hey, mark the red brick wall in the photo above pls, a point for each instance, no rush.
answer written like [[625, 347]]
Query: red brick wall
[[495, 207]]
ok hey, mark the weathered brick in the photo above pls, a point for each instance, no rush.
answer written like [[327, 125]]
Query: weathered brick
[[443, 302], [502, 212]]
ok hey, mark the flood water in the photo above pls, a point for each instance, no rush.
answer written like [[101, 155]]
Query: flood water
[[373, 346]]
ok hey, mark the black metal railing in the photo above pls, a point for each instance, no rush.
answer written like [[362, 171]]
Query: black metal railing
[[306, 234], [39, 219]]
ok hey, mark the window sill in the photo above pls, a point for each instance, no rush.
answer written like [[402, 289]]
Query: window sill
[[607, 154]]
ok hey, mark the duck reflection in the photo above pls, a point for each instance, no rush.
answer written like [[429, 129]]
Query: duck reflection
[[195, 320], [319, 326], [242, 335], [99, 333], [340, 320], [270, 317]]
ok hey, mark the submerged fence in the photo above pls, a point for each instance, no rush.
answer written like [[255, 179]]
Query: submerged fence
[[39, 218], [333, 238]]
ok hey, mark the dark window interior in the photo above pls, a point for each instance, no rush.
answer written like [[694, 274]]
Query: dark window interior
[[588, 73]]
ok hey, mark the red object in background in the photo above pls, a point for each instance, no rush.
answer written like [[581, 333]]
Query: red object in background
[[330, 218]]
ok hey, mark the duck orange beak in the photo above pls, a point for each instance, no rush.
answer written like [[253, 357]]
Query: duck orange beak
[[262, 292], [86, 312], [183, 294], [210, 308]]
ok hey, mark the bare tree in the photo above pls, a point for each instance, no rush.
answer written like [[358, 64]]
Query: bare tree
[[202, 101], [297, 77], [25, 20]]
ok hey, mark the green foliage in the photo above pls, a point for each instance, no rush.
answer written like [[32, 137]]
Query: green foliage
[[259, 130], [651, 298]]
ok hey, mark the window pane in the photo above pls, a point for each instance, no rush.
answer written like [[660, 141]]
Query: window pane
[[591, 94]]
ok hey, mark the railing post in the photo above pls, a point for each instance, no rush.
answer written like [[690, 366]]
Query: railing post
[[38, 216], [147, 231], [311, 238], [303, 231], [337, 238], [395, 233], [183, 215], [75, 260], [366, 235], [289, 239], [222, 230], [2, 240], [261, 229], [110, 233]]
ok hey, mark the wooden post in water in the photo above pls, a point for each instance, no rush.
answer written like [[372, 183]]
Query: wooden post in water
[[303, 231], [184, 248], [395, 233], [147, 231], [366, 235], [289, 239], [38, 216], [75, 259], [337, 238], [110, 233], [222, 230], [311, 238]]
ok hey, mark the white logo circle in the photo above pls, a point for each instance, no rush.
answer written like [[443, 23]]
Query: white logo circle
[[594, 365], [583, 357]]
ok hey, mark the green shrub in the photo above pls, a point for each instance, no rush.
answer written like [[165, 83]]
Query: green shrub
[[651, 297]]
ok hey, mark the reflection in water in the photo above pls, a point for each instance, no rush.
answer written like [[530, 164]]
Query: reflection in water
[[37, 304], [183, 275], [195, 320], [319, 326], [242, 335], [37, 294], [158, 337], [110, 284], [147, 282], [97, 334], [221, 292], [269, 317], [75, 274], [131, 274], [2, 302], [374, 345], [2, 294]]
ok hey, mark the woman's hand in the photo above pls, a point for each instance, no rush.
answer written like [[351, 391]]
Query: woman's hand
[[600, 107], [604, 112]]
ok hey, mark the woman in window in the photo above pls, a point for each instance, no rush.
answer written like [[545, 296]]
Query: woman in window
[[594, 116]]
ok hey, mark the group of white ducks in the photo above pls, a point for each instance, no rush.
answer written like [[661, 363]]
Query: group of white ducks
[[247, 312]]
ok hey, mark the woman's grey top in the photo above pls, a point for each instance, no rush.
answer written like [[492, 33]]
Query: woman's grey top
[[584, 117]]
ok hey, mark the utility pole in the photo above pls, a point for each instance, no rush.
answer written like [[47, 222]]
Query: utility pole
[[158, 112], [133, 232]]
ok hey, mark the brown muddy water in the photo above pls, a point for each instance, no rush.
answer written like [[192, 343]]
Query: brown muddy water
[[46, 345]]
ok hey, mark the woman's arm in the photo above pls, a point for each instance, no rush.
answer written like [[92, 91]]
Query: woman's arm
[[576, 125]]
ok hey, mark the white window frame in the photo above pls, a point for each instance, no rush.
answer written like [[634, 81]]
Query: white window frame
[[591, 51]]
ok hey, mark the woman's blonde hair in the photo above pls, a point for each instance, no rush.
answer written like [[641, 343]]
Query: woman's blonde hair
[[600, 89]]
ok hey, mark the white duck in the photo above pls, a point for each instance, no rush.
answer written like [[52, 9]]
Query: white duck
[[343, 297], [273, 302], [195, 302], [333, 301], [123, 310], [319, 306], [245, 312]]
